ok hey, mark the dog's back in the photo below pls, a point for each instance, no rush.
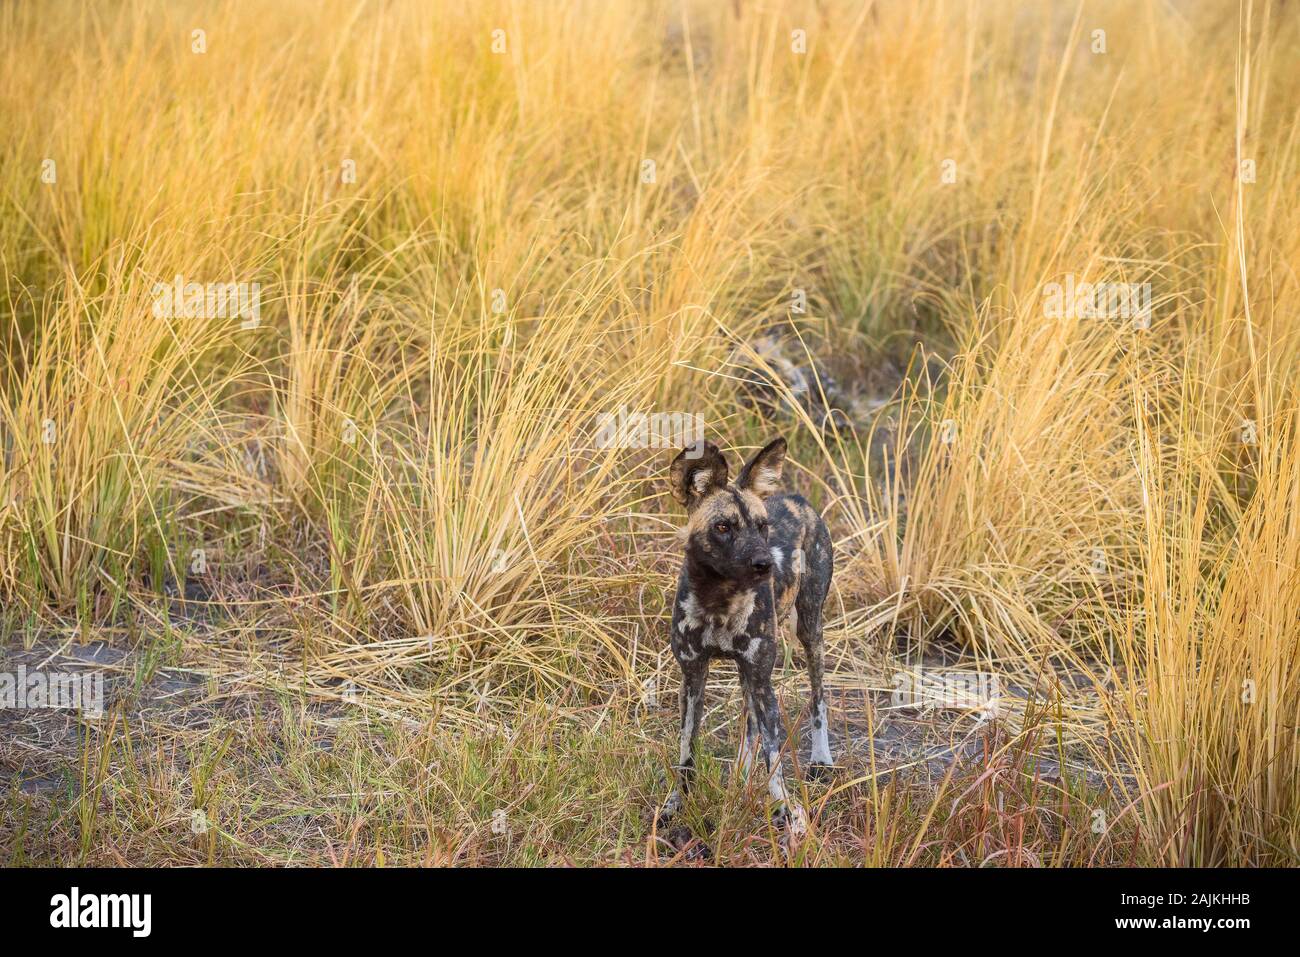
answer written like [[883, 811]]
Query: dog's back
[[802, 560]]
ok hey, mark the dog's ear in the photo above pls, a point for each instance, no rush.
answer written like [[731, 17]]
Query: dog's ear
[[695, 473], [762, 474]]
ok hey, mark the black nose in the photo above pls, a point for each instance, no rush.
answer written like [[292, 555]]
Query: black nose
[[762, 564]]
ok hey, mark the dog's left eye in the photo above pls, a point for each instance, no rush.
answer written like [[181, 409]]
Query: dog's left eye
[[722, 528]]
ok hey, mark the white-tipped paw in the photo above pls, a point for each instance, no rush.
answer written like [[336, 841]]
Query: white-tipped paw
[[670, 808], [794, 819]]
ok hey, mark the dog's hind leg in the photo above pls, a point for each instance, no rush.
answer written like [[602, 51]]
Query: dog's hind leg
[[694, 676], [808, 606], [809, 627]]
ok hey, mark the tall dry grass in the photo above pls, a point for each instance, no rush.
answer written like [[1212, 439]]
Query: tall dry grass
[[463, 267]]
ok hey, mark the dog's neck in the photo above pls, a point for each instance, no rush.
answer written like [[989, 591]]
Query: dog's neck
[[713, 592]]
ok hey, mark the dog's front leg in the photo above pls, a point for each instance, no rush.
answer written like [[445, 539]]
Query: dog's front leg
[[695, 674], [764, 735]]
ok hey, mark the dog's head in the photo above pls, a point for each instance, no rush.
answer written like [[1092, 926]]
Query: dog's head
[[726, 528]]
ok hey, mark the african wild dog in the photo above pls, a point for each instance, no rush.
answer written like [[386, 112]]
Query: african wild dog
[[754, 557]]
